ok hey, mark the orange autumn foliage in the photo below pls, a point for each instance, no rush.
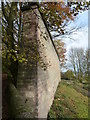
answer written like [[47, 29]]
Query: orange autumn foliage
[[56, 15]]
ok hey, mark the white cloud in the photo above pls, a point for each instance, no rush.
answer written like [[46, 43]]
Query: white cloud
[[81, 35]]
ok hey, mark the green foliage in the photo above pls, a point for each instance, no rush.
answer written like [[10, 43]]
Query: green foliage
[[12, 33], [69, 75], [10, 44], [15, 48]]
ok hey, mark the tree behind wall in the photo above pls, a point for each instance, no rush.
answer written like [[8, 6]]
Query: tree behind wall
[[60, 47], [10, 38], [78, 59], [12, 27]]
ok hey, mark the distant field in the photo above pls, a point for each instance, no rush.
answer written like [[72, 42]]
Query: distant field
[[69, 103]]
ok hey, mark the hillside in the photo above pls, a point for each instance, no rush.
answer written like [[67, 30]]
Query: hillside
[[69, 103]]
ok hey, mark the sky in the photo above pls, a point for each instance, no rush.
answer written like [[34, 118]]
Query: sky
[[79, 37]]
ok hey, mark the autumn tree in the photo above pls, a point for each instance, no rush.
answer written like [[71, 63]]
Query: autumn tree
[[59, 14], [56, 16], [60, 47]]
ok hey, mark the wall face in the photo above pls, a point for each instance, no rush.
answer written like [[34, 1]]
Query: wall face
[[27, 73], [37, 86], [49, 78]]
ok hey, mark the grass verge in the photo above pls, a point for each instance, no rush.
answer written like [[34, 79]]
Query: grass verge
[[68, 103]]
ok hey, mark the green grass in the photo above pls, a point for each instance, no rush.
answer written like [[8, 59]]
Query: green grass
[[68, 103]]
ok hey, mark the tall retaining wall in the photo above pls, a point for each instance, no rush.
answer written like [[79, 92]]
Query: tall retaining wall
[[37, 84], [48, 79]]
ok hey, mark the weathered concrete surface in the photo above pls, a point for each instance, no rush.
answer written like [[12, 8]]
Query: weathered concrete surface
[[27, 73], [48, 79], [37, 85]]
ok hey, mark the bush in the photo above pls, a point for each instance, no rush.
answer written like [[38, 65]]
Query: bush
[[68, 75]]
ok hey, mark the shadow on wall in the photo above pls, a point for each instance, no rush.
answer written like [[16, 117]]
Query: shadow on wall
[[19, 106]]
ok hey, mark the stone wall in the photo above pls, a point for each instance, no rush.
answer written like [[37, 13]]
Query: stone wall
[[27, 72], [37, 84], [48, 78]]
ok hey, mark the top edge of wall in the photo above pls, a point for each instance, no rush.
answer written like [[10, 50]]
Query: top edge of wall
[[47, 1], [28, 6]]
